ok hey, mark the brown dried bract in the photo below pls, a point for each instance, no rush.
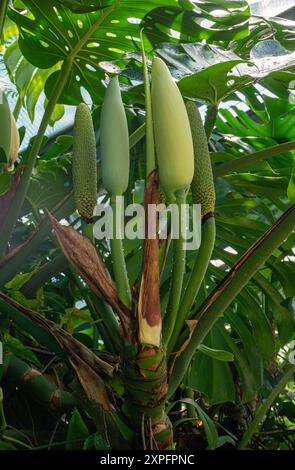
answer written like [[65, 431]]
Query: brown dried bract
[[84, 258], [92, 384], [191, 326], [149, 303]]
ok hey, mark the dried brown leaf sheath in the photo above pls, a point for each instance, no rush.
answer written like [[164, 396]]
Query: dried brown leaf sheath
[[92, 384], [149, 310], [86, 261]]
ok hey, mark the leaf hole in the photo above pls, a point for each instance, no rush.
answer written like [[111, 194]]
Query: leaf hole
[[44, 44], [60, 18], [132, 38], [133, 20], [70, 33], [111, 35], [89, 67], [80, 24], [114, 49], [85, 95], [93, 44]]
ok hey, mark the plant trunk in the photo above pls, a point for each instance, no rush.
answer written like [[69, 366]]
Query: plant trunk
[[145, 380]]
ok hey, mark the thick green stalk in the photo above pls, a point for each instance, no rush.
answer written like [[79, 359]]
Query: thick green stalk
[[36, 385], [3, 423], [150, 143], [17, 202], [210, 119], [244, 162], [145, 381], [3, 11], [87, 230], [196, 278], [17, 108], [229, 288], [178, 271], [191, 410], [265, 406], [137, 135], [118, 259]]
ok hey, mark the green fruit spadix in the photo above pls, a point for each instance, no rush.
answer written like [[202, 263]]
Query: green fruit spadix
[[173, 138], [114, 141]]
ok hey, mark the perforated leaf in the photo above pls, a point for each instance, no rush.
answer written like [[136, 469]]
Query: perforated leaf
[[50, 33], [199, 20], [82, 6]]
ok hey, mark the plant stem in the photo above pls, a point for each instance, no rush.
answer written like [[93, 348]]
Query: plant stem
[[137, 135], [17, 108], [87, 231], [255, 157], [25, 181], [178, 271], [210, 119], [2, 414], [196, 278], [150, 144], [191, 410], [229, 288], [3, 11], [265, 406], [118, 258], [37, 385]]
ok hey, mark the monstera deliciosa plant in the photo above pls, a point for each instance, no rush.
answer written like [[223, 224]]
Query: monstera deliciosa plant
[[123, 342]]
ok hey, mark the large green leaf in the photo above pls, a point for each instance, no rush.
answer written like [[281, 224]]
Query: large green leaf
[[77, 432], [248, 360], [210, 376], [28, 79], [51, 33], [199, 20], [278, 124], [82, 6], [217, 72]]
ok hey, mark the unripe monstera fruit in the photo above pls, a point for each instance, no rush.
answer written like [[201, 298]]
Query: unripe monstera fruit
[[173, 138], [203, 190], [14, 144], [114, 141], [84, 163], [5, 128]]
